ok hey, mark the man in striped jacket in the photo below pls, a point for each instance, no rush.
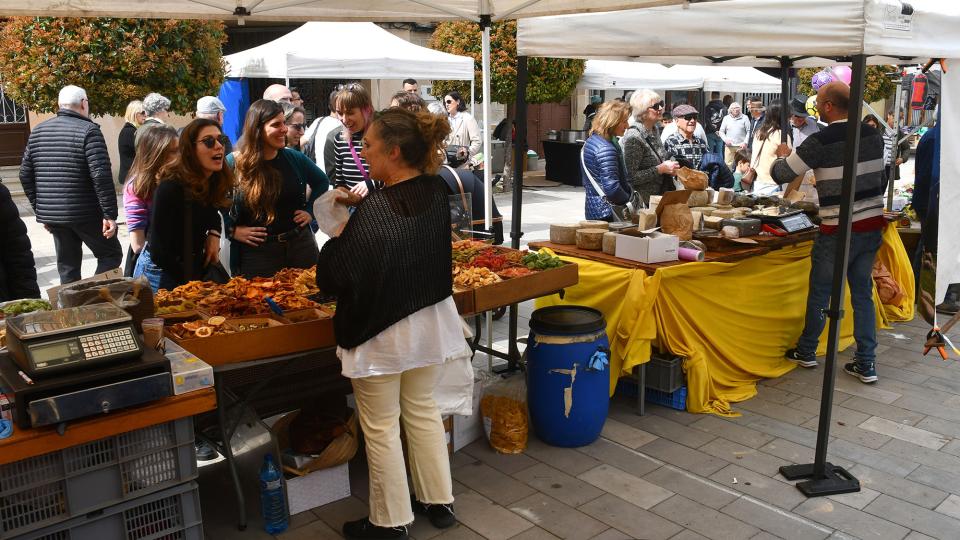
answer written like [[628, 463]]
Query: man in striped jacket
[[823, 152]]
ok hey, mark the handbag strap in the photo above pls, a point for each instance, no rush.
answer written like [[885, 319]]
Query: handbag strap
[[359, 163], [596, 187], [463, 194], [759, 153]]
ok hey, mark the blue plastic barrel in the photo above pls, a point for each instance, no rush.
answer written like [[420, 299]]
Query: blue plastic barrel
[[568, 375]]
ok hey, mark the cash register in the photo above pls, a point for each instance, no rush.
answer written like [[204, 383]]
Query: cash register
[[76, 362]]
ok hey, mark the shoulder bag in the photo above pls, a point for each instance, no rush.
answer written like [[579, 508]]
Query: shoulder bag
[[748, 177]]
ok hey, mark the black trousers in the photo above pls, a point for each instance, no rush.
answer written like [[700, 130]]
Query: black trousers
[[269, 258], [69, 241]]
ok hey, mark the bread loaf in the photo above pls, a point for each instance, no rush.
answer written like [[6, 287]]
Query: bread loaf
[[698, 198], [564, 233], [712, 222], [590, 239], [610, 243], [693, 179], [725, 196], [647, 219]]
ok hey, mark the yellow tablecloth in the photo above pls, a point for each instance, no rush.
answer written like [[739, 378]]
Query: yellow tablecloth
[[731, 321]]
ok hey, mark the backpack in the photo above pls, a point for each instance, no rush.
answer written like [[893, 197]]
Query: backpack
[[714, 117]]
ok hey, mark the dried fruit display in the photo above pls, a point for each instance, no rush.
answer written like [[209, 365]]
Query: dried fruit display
[[240, 296], [468, 277], [517, 271]]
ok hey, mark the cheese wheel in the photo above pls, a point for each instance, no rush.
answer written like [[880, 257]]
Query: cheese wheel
[[704, 210], [610, 243], [723, 213], [564, 233], [594, 224], [698, 198], [590, 239], [712, 222], [725, 196]]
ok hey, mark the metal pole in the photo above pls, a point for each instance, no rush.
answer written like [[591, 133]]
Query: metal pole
[[487, 173], [826, 478], [785, 127]]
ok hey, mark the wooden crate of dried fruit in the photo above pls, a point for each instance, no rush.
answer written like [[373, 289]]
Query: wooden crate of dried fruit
[[487, 277], [219, 340]]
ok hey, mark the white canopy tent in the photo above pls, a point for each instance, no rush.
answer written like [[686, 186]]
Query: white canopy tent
[[614, 74], [316, 51], [776, 33], [731, 79]]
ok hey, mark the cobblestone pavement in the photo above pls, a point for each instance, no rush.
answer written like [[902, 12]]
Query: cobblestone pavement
[[671, 474]]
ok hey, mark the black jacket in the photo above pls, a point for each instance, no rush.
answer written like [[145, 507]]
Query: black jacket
[[127, 149], [66, 171], [18, 276]]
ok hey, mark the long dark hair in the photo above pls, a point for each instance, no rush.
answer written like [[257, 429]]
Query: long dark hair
[[187, 169], [153, 157], [419, 136], [259, 183], [771, 122], [461, 106]]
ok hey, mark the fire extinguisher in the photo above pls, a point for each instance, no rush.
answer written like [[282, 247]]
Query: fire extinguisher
[[918, 92]]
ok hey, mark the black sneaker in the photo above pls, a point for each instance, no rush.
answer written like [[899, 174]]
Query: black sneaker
[[362, 529], [441, 516], [866, 373], [803, 361]]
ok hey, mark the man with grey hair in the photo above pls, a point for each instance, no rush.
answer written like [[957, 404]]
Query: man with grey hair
[[157, 108], [212, 108], [67, 177], [647, 169], [278, 93]]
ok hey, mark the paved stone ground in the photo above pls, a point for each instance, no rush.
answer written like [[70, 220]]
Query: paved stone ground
[[676, 475]]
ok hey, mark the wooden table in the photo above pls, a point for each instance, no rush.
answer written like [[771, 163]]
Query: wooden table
[[26, 443], [599, 256]]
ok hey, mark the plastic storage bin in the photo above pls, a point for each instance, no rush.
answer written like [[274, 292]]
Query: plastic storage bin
[[664, 372], [54, 487], [675, 400], [170, 514]]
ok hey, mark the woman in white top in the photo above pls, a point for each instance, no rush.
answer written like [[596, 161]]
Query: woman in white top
[[464, 130], [765, 142]]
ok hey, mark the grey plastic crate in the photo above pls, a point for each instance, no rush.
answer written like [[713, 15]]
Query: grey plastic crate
[[171, 514], [54, 487], [665, 372]]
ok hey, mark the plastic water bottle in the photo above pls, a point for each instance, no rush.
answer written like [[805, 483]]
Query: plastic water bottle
[[272, 505]]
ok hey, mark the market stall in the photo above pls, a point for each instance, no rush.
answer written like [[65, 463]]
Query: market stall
[[685, 308]]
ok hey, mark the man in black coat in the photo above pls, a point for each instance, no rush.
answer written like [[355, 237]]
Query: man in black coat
[[18, 275], [67, 177]]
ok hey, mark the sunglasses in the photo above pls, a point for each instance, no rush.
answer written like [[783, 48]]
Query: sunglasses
[[657, 106], [299, 127], [210, 142], [448, 101], [690, 117]]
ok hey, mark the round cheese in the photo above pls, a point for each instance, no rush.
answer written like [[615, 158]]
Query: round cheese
[[594, 224], [564, 233], [590, 239], [610, 243]]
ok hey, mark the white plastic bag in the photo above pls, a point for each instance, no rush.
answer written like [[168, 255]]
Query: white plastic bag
[[331, 215], [454, 390]]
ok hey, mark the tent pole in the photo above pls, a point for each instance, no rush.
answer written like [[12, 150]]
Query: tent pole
[[485, 90], [785, 63], [826, 478], [519, 151], [896, 142]]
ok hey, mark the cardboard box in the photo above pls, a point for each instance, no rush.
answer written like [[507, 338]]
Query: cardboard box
[[514, 290], [647, 247], [53, 292], [188, 372], [317, 488]]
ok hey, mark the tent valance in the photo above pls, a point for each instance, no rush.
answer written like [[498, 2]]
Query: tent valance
[[611, 74]]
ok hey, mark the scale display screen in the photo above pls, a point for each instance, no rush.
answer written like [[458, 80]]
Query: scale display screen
[[47, 354]]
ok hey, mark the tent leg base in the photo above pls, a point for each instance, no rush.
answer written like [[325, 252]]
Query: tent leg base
[[835, 480]]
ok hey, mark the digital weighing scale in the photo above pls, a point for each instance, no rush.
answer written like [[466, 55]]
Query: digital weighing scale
[[791, 221], [45, 343]]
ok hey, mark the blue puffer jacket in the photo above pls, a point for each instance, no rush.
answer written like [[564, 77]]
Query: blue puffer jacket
[[604, 162], [720, 175]]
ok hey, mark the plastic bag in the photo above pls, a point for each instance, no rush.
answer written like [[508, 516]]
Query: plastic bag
[[453, 393], [132, 295], [504, 410], [330, 213]]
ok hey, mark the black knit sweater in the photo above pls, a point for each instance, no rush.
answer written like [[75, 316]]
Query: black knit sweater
[[392, 259]]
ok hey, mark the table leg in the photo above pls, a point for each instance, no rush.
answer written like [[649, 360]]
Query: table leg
[[641, 389], [226, 435]]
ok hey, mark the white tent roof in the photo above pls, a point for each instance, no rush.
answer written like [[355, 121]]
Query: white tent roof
[[316, 50], [752, 31], [608, 74], [317, 10], [731, 79]]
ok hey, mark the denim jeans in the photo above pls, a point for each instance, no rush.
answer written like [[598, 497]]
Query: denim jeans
[[863, 250], [155, 275], [715, 144]]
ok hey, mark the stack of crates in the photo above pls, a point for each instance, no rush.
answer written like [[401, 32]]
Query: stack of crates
[[665, 381], [137, 484]]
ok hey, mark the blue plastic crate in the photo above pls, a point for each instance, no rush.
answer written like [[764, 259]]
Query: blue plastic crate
[[675, 400]]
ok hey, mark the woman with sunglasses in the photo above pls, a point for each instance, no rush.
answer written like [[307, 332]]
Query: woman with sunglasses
[[396, 324], [648, 170], [269, 218], [193, 189], [602, 162], [464, 131], [156, 150], [685, 146], [295, 118]]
